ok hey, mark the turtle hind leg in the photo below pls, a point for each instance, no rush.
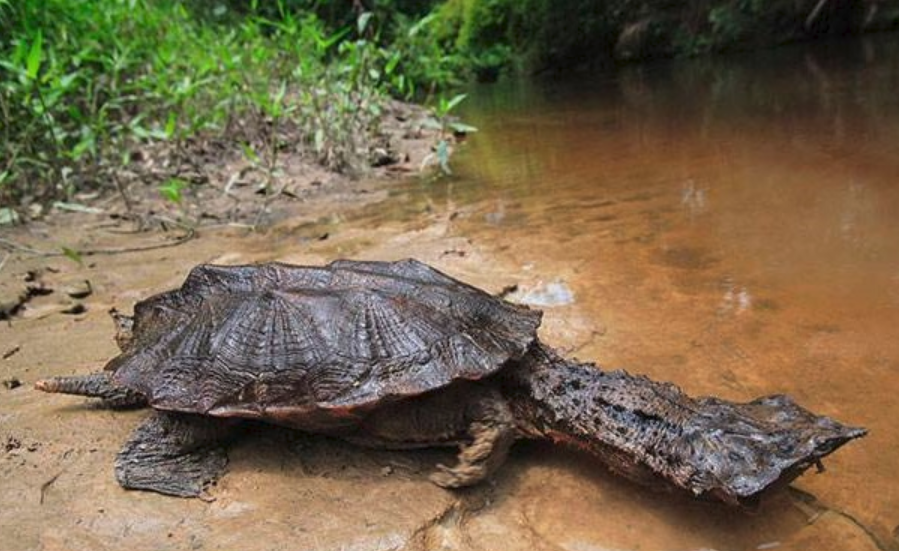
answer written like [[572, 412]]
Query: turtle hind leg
[[479, 459], [475, 415], [95, 385], [492, 432], [174, 454]]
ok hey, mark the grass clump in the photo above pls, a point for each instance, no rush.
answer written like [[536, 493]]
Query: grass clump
[[84, 85]]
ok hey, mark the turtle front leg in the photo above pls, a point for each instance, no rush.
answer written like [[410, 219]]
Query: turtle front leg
[[175, 454], [95, 385]]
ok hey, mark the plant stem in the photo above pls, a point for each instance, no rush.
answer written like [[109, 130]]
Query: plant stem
[[56, 141]]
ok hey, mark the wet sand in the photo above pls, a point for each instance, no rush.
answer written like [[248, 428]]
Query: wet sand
[[290, 491]]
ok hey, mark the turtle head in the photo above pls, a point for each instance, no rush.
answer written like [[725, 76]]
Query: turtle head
[[736, 452], [124, 329]]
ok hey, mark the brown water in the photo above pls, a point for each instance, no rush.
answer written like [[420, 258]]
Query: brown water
[[728, 224], [731, 225]]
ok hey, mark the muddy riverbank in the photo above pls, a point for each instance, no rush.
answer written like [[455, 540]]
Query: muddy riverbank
[[289, 491]]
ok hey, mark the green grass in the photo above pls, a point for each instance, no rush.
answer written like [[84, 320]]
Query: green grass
[[85, 83]]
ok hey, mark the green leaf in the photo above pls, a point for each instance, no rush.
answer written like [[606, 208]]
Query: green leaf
[[249, 152], [33, 61], [462, 128], [171, 190], [451, 104], [391, 64], [72, 255], [145, 133], [8, 216], [170, 125], [66, 81], [362, 22], [88, 142], [276, 101], [11, 67], [326, 43], [431, 124], [421, 24]]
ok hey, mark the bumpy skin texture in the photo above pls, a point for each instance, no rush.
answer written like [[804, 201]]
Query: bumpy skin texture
[[399, 355], [652, 432]]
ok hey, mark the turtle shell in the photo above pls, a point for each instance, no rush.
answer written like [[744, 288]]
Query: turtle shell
[[309, 346]]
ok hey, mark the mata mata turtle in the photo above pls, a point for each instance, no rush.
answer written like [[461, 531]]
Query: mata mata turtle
[[398, 354]]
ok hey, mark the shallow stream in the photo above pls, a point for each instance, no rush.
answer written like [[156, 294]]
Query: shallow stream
[[731, 224]]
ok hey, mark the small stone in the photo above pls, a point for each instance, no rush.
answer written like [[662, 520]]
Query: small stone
[[74, 309], [13, 383], [79, 290], [12, 443]]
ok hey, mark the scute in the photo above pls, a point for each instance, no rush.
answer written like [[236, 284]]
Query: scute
[[276, 340]]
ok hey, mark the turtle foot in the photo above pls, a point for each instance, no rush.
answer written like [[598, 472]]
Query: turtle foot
[[173, 454]]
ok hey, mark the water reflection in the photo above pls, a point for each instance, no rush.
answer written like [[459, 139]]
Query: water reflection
[[544, 295], [693, 199], [735, 300]]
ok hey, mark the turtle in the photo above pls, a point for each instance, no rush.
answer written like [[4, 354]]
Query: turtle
[[401, 355]]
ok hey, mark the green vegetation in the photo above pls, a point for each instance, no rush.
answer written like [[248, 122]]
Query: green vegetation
[[84, 85], [484, 38], [447, 127], [496, 35], [87, 87]]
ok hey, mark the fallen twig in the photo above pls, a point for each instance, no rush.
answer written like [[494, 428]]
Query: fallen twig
[[820, 508], [11, 352], [46, 485], [813, 16]]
